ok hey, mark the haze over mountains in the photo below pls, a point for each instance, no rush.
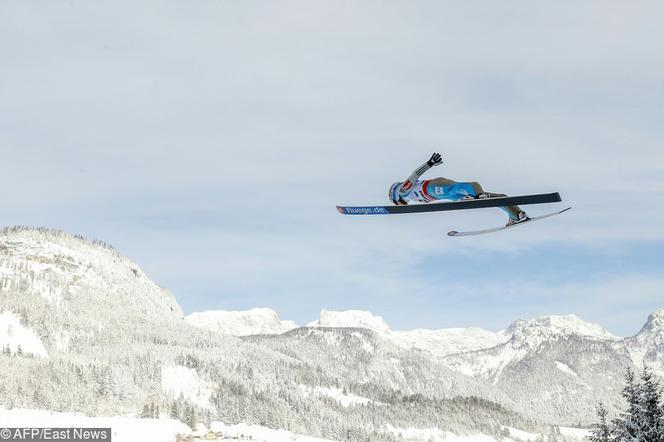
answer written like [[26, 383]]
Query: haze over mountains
[[82, 328]]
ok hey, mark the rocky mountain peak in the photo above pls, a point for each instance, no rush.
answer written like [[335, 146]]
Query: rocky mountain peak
[[655, 322], [545, 328]]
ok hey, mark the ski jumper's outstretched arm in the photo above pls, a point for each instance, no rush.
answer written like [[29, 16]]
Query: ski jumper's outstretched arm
[[435, 160]]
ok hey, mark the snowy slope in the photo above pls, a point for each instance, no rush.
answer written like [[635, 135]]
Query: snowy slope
[[345, 399], [241, 323], [179, 381], [14, 337]]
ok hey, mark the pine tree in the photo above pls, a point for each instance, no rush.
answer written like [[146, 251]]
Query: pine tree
[[627, 425], [176, 412], [146, 412], [190, 417], [652, 421], [601, 431], [643, 421], [554, 434]]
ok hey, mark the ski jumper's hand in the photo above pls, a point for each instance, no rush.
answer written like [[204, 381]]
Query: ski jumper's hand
[[435, 160], [407, 185]]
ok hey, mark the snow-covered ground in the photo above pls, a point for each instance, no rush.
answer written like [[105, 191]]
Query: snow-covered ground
[[123, 428], [435, 435], [345, 399], [516, 435], [131, 429], [261, 434], [565, 369], [567, 433], [177, 380], [14, 335], [574, 433], [521, 435]]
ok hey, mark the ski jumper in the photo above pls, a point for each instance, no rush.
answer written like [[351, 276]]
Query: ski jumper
[[426, 191]]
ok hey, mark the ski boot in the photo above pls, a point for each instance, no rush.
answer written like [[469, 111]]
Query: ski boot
[[521, 218]]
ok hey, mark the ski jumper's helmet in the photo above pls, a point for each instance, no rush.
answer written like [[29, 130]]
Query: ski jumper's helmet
[[394, 193]]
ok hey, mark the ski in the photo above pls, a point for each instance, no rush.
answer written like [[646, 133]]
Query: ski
[[497, 229], [455, 205]]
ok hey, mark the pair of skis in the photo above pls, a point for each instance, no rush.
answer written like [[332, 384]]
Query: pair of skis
[[461, 205]]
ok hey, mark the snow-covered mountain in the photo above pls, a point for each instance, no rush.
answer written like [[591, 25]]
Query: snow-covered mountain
[[438, 342], [522, 334], [60, 267], [256, 321], [548, 362], [362, 367], [98, 337], [449, 341], [519, 340], [82, 328], [73, 292], [531, 333], [351, 318], [553, 360], [647, 347]]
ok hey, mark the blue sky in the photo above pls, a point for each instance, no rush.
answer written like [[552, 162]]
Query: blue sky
[[211, 142]]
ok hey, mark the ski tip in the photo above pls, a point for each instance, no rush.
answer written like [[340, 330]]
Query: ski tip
[[341, 210], [452, 233]]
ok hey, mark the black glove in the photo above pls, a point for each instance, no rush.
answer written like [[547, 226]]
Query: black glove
[[435, 160]]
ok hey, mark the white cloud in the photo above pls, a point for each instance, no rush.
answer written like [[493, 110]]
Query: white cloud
[[212, 141]]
